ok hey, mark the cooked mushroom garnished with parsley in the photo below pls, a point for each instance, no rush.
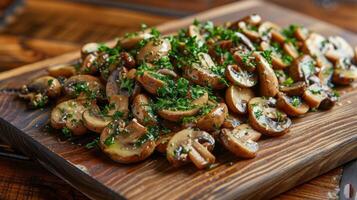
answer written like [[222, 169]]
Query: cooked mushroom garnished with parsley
[[182, 93]]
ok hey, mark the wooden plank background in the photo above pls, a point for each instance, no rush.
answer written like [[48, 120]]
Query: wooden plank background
[[35, 47]]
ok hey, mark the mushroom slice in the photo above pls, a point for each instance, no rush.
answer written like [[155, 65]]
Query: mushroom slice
[[302, 68], [244, 58], [345, 72], [178, 115], [241, 141], [269, 30], [295, 89], [89, 48], [338, 49], [88, 85], [301, 33], [190, 145], [62, 71], [249, 31], [316, 45], [214, 119], [151, 81], [130, 41], [266, 119], [269, 85], [154, 50], [237, 99], [314, 95], [293, 106], [291, 50], [69, 114], [121, 105], [90, 64], [201, 74], [276, 56], [95, 121], [142, 110], [122, 143], [240, 77], [46, 85], [245, 40], [317, 96]]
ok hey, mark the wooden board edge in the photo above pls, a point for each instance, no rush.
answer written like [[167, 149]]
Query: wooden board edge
[[55, 164]]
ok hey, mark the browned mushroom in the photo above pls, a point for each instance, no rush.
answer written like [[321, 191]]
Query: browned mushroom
[[214, 119], [276, 56], [62, 71], [295, 89], [131, 41], [268, 82], [301, 33], [120, 82], [241, 140], [339, 49], [302, 68], [269, 30], [87, 85], [161, 143], [201, 74], [248, 25], [126, 143], [154, 50], [46, 85], [151, 81], [317, 96], [142, 110], [240, 77], [178, 115], [265, 118], [345, 72], [237, 99], [68, 114], [90, 64], [190, 145], [293, 106], [95, 121], [233, 121]]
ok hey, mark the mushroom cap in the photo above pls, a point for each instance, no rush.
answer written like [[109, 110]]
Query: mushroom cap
[[237, 99], [314, 95], [315, 45], [241, 140], [240, 77], [62, 70], [92, 84], [188, 145], [154, 50], [89, 48], [295, 89], [142, 110], [214, 119], [269, 85], [293, 106], [302, 68], [266, 119], [132, 40], [149, 82], [69, 114], [115, 79], [122, 148], [345, 72], [338, 49], [94, 121], [46, 85]]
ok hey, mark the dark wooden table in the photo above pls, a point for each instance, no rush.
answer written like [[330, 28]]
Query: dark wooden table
[[46, 28]]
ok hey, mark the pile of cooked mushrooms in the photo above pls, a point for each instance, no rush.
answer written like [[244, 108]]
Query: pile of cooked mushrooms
[[180, 94]]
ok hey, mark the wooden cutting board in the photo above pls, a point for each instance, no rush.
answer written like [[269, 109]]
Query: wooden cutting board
[[316, 143]]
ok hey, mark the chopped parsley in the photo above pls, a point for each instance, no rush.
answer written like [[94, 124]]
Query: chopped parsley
[[66, 132], [296, 101], [93, 144], [288, 82]]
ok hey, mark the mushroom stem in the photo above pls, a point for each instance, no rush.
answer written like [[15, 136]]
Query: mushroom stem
[[200, 156]]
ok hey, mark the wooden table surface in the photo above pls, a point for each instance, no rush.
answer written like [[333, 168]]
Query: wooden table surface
[[47, 28]]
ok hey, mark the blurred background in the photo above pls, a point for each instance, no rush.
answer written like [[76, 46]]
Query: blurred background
[[33, 30]]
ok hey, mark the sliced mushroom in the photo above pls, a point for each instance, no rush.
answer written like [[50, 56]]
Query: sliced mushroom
[[62, 71], [162, 142], [190, 145], [89, 48], [316, 45], [241, 140], [317, 96], [301, 33], [142, 110], [95, 121], [290, 50], [276, 57], [122, 143], [338, 49], [214, 119], [233, 121], [154, 50], [266, 119], [246, 24], [293, 106], [345, 72], [150, 82], [90, 64], [200, 73], [88, 85], [269, 30], [295, 89], [121, 104], [131, 41], [69, 114], [302, 68], [178, 115], [244, 59], [245, 40], [269, 85], [240, 77], [46, 85], [115, 81], [237, 99]]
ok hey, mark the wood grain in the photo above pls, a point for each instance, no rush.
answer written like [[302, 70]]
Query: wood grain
[[328, 140]]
